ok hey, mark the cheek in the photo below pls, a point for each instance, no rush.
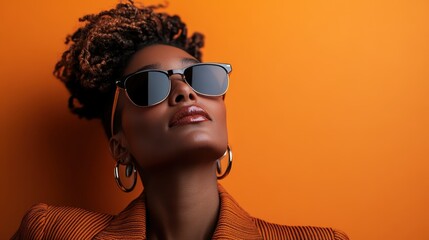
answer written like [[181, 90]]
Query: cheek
[[221, 117], [221, 130], [143, 128], [218, 114], [218, 109]]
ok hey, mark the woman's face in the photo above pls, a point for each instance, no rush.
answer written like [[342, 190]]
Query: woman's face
[[155, 136]]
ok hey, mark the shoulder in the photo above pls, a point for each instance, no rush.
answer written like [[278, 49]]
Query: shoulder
[[44, 221], [276, 231]]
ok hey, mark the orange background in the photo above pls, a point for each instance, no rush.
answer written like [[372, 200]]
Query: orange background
[[328, 112]]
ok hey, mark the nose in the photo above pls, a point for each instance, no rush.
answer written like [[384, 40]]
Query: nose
[[180, 91]]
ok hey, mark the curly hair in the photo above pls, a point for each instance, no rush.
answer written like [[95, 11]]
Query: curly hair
[[99, 51]]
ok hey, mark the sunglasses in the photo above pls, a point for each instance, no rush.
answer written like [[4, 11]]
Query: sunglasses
[[150, 87]]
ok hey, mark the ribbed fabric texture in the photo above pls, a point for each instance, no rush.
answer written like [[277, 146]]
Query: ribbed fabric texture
[[275, 231], [47, 222]]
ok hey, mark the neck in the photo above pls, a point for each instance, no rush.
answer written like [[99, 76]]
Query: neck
[[181, 203]]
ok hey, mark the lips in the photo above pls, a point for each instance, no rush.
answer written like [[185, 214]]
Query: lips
[[189, 115]]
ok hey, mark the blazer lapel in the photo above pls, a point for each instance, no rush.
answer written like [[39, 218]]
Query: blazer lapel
[[234, 222], [128, 224]]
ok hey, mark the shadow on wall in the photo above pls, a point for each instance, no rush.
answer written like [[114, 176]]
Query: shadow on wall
[[57, 159]]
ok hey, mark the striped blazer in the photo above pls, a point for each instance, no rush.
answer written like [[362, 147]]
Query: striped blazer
[[49, 222]]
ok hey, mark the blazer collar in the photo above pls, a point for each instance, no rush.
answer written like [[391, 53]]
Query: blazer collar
[[233, 222]]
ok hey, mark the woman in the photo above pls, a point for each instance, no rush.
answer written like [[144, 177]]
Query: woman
[[163, 112]]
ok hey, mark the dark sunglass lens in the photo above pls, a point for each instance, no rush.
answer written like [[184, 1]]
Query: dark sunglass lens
[[147, 88], [207, 79]]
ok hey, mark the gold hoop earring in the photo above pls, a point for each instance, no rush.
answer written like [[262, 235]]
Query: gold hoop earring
[[129, 170], [228, 168]]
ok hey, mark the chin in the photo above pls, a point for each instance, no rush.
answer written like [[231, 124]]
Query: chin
[[203, 146], [201, 141]]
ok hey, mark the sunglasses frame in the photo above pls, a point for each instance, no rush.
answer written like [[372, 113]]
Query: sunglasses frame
[[120, 84]]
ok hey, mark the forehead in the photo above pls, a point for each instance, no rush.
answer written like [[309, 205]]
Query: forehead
[[164, 56]]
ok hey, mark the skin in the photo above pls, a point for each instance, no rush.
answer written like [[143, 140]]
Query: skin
[[176, 164]]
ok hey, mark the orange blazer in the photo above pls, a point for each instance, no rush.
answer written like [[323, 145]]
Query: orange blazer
[[49, 222]]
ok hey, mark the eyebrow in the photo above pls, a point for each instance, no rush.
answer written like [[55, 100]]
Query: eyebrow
[[184, 61], [189, 61], [150, 66]]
